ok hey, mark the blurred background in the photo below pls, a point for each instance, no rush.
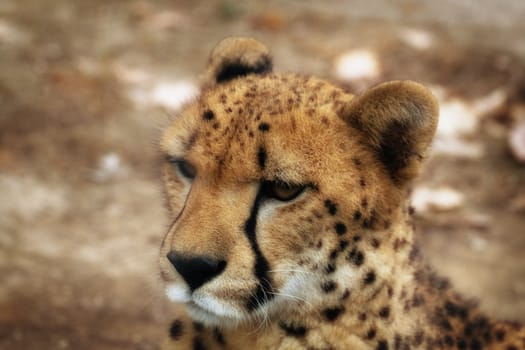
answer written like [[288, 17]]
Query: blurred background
[[85, 87]]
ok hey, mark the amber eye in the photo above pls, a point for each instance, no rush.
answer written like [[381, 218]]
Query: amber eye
[[281, 190], [185, 168]]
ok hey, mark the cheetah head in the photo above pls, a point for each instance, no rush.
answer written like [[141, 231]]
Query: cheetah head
[[274, 181]]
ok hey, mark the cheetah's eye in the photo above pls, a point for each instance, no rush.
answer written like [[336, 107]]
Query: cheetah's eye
[[281, 190], [185, 168]]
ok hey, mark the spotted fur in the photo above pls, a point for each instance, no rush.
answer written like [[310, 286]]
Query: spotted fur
[[290, 226]]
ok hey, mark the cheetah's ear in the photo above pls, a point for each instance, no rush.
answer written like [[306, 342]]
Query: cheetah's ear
[[399, 120], [236, 57]]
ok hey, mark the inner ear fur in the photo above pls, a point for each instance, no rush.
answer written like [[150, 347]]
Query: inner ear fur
[[236, 57], [398, 120]]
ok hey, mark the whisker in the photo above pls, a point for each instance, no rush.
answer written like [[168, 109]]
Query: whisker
[[293, 297], [292, 270]]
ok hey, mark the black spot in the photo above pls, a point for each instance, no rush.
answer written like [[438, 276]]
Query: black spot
[[261, 157], [487, 337], [293, 331], [397, 342], [197, 344], [208, 115], [191, 140], [340, 228], [462, 344], [331, 206], [382, 345], [362, 317], [452, 309], [414, 253], [357, 238], [333, 254], [356, 257], [418, 300], [442, 321], [264, 127], [176, 329], [500, 335], [475, 344], [375, 243], [198, 326], [438, 282], [217, 334], [329, 286], [449, 341], [236, 69], [371, 334], [511, 347], [331, 314], [263, 291], [330, 268], [357, 215], [370, 277], [384, 312], [342, 245], [418, 338]]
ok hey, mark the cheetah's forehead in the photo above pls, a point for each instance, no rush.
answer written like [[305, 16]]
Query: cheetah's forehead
[[256, 122]]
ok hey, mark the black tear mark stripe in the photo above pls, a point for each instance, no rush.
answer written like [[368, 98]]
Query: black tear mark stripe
[[263, 292], [261, 157]]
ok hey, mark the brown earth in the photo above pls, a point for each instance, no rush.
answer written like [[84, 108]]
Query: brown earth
[[85, 86]]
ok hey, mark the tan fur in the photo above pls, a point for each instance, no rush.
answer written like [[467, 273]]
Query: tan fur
[[339, 263]]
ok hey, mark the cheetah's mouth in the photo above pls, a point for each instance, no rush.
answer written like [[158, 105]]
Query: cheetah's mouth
[[205, 308]]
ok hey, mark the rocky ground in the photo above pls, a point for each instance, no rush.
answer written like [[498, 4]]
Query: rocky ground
[[85, 86]]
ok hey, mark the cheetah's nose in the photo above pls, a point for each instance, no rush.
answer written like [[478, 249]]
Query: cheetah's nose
[[196, 270]]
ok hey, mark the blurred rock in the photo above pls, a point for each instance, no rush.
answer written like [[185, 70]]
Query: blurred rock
[[359, 68], [417, 38], [456, 118], [109, 168], [457, 148], [174, 94], [425, 199], [516, 141]]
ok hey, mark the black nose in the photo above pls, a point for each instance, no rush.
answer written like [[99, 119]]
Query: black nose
[[196, 270]]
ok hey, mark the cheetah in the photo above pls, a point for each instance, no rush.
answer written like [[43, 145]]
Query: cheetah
[[290, 224]]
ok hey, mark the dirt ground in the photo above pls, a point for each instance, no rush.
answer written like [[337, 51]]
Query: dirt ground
[[85, 86]]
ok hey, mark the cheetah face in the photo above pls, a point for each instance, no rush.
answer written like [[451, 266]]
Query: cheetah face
[[273, 179]]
